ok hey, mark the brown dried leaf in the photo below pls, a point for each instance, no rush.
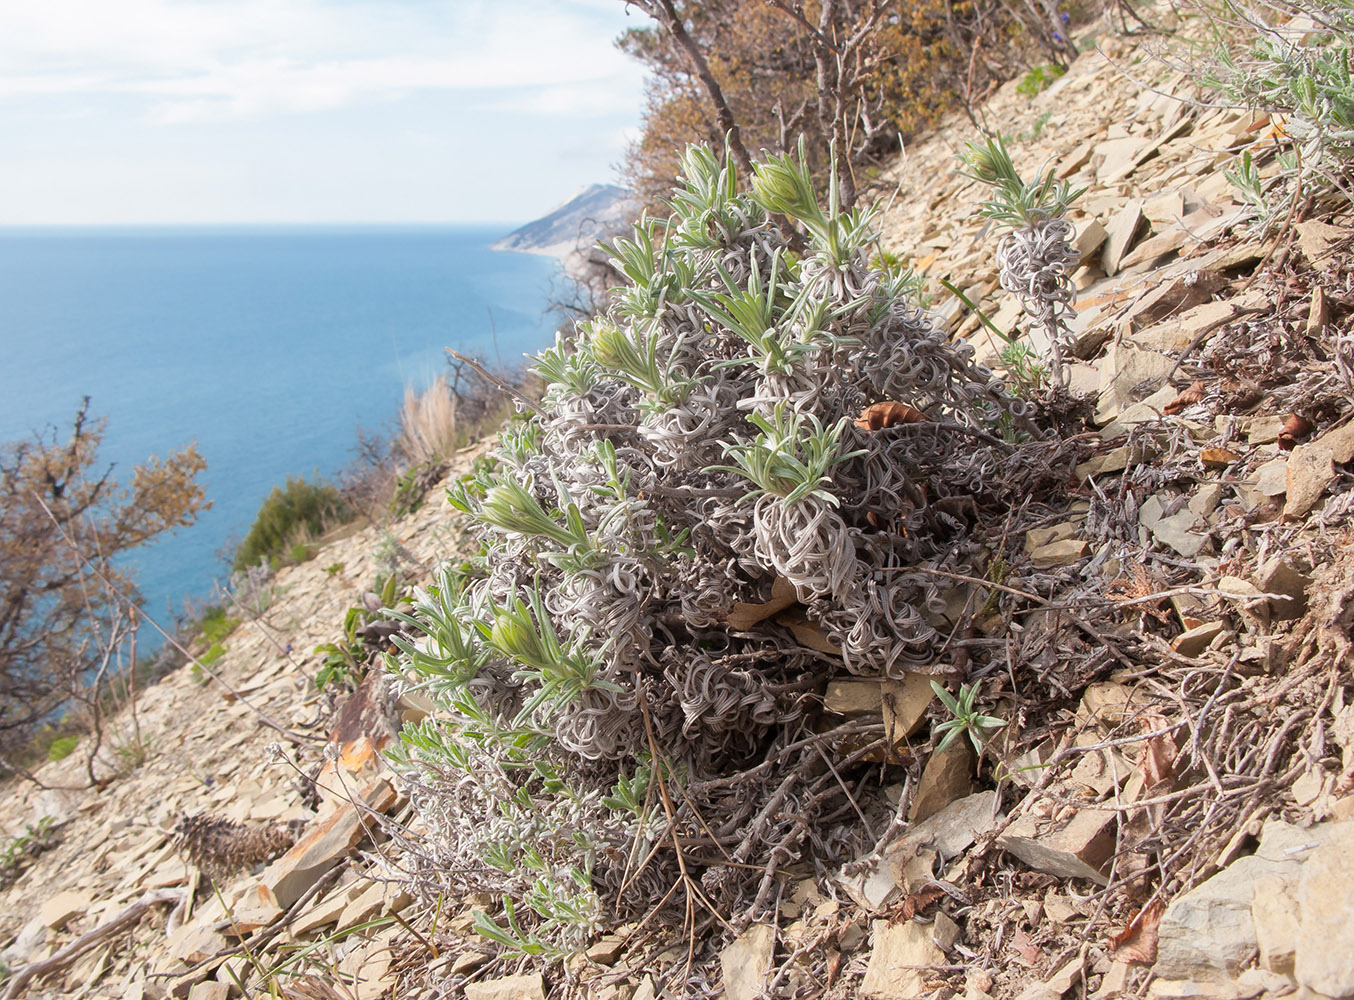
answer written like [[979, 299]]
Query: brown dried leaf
[[1138, 941], [806, 632], [1025, 948], [743, 616], [1159, 752], [919, 901], [834, 965], [1186, 399], [1295, 428], [878, 416]]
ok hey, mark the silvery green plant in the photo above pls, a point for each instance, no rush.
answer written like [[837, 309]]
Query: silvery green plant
[[790, 457], [965, 719], [1036, 257], [1293, 61], [696, 443]]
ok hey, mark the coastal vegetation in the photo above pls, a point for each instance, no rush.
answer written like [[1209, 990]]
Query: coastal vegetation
[[719, 445], [765, 573], [68, 611], [855, 78], [292, 515], [707, 444]]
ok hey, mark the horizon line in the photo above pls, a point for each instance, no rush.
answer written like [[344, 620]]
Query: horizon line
[[260, 223]]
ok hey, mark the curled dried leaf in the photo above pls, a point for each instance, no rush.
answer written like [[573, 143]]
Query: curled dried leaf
[[1027, 952], [919, 901], [878, 416], [1186, 399], [1159, 751], [743, 616], [1138, 941], [1295, 428]]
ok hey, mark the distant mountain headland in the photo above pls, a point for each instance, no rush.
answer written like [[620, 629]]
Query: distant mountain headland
[[594, 213]]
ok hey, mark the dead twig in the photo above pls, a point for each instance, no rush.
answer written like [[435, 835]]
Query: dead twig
[[67, 955]]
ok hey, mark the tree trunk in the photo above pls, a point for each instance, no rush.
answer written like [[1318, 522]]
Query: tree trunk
[[665, 13]]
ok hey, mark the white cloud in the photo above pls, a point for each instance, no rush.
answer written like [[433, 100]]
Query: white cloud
[[590, 98], [227, 59], [165, 111]]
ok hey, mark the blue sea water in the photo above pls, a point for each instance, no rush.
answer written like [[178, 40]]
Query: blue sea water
[[267, 346]]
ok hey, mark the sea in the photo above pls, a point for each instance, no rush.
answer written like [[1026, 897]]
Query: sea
[[268, 347]]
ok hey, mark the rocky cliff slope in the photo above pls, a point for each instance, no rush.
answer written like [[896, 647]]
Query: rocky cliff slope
[[1168, 811], [596, 212]]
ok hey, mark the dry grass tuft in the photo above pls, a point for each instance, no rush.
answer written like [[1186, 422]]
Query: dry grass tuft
[[428, 422]]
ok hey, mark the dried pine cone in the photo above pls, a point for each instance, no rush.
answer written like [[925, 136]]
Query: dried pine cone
[[220, 847]]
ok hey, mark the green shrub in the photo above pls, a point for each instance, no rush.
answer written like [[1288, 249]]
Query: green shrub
[[705, 439], [216, 624], [62, 748], [302, 552], [299, 510], [345, 662], [1033, 133], [412, 487], [1039, 79], [17, 851]]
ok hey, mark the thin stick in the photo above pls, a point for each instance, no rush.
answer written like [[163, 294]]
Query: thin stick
[[693, 891], [131, 683], [266, 933], [493, 379], [88, 940]]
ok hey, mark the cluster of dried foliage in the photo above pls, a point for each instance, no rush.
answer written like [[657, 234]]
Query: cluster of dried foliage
[[859, 76], [391, 473], [66, 605]]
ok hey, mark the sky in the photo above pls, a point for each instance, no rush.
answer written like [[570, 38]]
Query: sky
[[309, 111]]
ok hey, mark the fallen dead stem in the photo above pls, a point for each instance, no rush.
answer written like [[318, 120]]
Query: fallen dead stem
[[63, 958], [693, 892], [266, 933]]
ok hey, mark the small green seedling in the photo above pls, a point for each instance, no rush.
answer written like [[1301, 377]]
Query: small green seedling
[[966, 718]]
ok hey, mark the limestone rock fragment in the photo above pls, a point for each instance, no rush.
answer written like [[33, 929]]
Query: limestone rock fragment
[[1324, 961], [1194, 641], [947, 776], [1122, 228], [1311, 468], [530, 987], [746, 960], [327, 840], [1073, 845], [1061, 553], [64, 906], [1175, 530], [899, 949]]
